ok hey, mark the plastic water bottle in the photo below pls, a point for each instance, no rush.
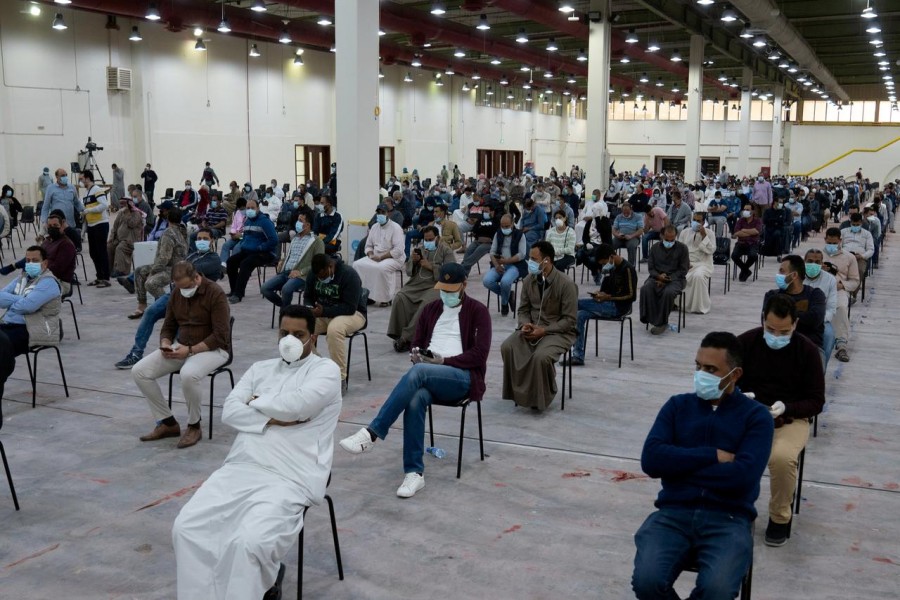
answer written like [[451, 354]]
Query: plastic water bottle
[[672, 327], [435, 452]]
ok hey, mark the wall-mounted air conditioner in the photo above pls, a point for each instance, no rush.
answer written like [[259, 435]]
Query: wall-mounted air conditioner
[[118, 79]]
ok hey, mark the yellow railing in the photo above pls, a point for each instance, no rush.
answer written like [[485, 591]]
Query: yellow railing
[[844, 155]]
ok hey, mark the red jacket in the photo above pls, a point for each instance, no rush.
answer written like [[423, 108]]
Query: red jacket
[[475, 334]]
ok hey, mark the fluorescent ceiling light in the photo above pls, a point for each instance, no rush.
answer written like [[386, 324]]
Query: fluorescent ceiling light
[[63, 1], [705, 2]]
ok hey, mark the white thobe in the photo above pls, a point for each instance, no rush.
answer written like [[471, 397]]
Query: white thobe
[[380, 278], [594, 210], [461, 213], [231, 537], [700, 251]]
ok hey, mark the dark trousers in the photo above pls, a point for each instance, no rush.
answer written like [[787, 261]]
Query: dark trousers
[[7, 359], [97, 236], [564, 262], [18, 338], [149, 193], [750, 251], [240, 266]]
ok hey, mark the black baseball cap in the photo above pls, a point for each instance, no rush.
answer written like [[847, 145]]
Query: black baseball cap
[[451, 277]]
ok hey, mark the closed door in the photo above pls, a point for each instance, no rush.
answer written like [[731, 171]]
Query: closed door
[[312, 163]]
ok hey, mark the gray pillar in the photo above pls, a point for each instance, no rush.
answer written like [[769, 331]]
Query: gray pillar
[[744, 127], [777, 129], [356, 99], [695, 109], [598, 159]]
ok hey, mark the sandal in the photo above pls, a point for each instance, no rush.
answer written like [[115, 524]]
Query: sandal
[[93, 283], [842, 355], [103, 284], [136, 314]]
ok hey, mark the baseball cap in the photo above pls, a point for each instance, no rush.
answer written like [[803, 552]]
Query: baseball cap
[[451, 277]]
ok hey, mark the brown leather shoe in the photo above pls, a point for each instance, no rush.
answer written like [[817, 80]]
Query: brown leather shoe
[[191, 436], [162, 431]]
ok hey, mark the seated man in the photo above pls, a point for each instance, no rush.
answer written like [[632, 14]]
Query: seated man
[[31, 302], [484, 226], [710, 450], [60, 253], [848, 278], [747, 230], [328, 225], [716, 215], [819, 278], [448, 229], [215, 219], [259, 247], [127, 229], [627, 229], [784, 371], [679, 212], [155, 278], [336, 298], [293, 270], [858, 242], [701, 245], [809, 301], [508, 252], [384, 258], [194, 339], [449, 356], [422, 270], [207, 263], [668, 265], [655, 220], [546, 317], [617, 293], [231, 536], [533, 222]]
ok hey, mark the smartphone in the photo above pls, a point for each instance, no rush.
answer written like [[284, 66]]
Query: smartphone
[[427, 353]]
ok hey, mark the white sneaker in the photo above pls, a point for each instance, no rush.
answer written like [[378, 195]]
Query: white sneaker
[[358, 443], [412, 483]]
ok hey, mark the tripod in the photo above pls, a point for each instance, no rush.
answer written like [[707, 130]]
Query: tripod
[[90, 164]]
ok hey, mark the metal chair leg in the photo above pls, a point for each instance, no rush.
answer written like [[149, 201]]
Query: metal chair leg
[[12, 488], [462, 432], [366, 346], [621, 339], [74, 318], [430, 425], [300, 560], [334, 534], [480, 433], [32, 377], [62, 371], [797, 493]]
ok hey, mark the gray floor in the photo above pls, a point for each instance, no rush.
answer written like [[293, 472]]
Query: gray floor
[[550, 513]]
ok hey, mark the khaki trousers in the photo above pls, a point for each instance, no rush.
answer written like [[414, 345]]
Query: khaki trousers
[[783, 462], [841, 319], [193, 373], [337, 330]]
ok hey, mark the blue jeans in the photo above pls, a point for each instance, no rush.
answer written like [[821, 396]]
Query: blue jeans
[[589, 309], [155, 312], [721, 542], [828, 342], [645, 242], [287, 286], [412, 234], [422, 385], [501, 284], [227, 248]]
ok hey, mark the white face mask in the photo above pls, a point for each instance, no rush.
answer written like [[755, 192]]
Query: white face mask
[[291, 349], [189, 292]]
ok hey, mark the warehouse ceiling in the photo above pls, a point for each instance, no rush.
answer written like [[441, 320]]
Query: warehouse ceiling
[[814, 48]]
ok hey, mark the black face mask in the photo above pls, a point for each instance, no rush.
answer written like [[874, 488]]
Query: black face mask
[[54, 233]]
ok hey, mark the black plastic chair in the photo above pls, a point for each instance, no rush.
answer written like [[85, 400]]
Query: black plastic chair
[[28, 218], [621, 320], [722, 256], [12, 488], [514, 295], [682, 313], [67, 298], [463, 404], [32, 373], [566, 366], [79, 257], [360, 332], [337, 545], [225, 368], [797, 494]]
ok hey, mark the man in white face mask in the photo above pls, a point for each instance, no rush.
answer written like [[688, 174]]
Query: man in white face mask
[[194, 339], [231, 536], [449, 355]]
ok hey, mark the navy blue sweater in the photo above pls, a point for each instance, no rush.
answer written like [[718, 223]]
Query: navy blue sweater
[[681, 449]]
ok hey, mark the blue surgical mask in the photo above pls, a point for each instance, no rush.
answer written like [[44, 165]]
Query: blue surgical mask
[[813, 270], [381, 219], [608, 267], [776, 342], [831, 249], [430, 246], [781, 281], [506, 230], [213, 203], [9, 193], [707, 385], [64, 180], [438, 219], [485, 216], [327, 279], [251, 213], [450, 299], [298, 226], [534, 267], [296, 204], [33, 269], [202, 245], [695, 225], [855, 228], [668, 244]]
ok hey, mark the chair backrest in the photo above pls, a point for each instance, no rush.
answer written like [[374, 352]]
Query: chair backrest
[[364, 300], [723, 251], [27, 215], [170, 193], [230, 342]]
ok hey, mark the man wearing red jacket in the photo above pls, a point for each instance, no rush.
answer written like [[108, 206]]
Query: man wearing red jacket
[[449, 355]]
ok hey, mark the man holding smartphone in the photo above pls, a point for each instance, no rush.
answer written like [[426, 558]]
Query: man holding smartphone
[[194, 339]]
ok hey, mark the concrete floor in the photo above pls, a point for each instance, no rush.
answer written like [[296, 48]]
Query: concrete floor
[[550, 513]]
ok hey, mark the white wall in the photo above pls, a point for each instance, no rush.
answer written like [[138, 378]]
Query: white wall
[[246, 115], [811, 146]]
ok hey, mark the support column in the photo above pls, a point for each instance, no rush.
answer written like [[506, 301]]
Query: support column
[[695, 109], [598, 159], [744, 129], [356, 99], [777, 130]]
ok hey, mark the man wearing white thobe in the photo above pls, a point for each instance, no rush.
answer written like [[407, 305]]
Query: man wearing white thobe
[[385, 257], [232, 535], [701, 247]]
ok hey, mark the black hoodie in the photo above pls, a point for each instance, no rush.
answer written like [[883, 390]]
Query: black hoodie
[[13, 207]]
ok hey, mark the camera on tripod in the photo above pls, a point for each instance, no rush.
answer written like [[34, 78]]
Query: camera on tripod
[[91, 147]]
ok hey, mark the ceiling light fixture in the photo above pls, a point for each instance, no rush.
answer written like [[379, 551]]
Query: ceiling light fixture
[[705, 2], [571, 79], [759, 42], [200, 46], [631, 37], [504, 80], [774, 54], [728, 16], [551, 45], [675, 88], [449, 70], [573, 17], [524, 68], [258, 6], [298, 61], [416, 62], [624, 60], [63, 1], [873, 28], [582, 57], [644, 78], [495, 61], [152, 13], [723, 76], [489, 92], [381, 32], [254, 51], [224, 25], [868, 12], [198, 31], [475, 75], [135, 34], [526, 85], [548, 74], [483, 24], [566, 7], [34, 10], [438, 9], [746, 33], [58, 23], [879, 53], [285, 37], [459, 53], [408, 78], [659, 82], [652, 46], [325, 21], [522, 38], [466, 87], [676, 56]]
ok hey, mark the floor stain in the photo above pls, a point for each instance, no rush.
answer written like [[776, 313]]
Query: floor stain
[[885, 560], [849, 506], [30, 556], [575, 474]]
